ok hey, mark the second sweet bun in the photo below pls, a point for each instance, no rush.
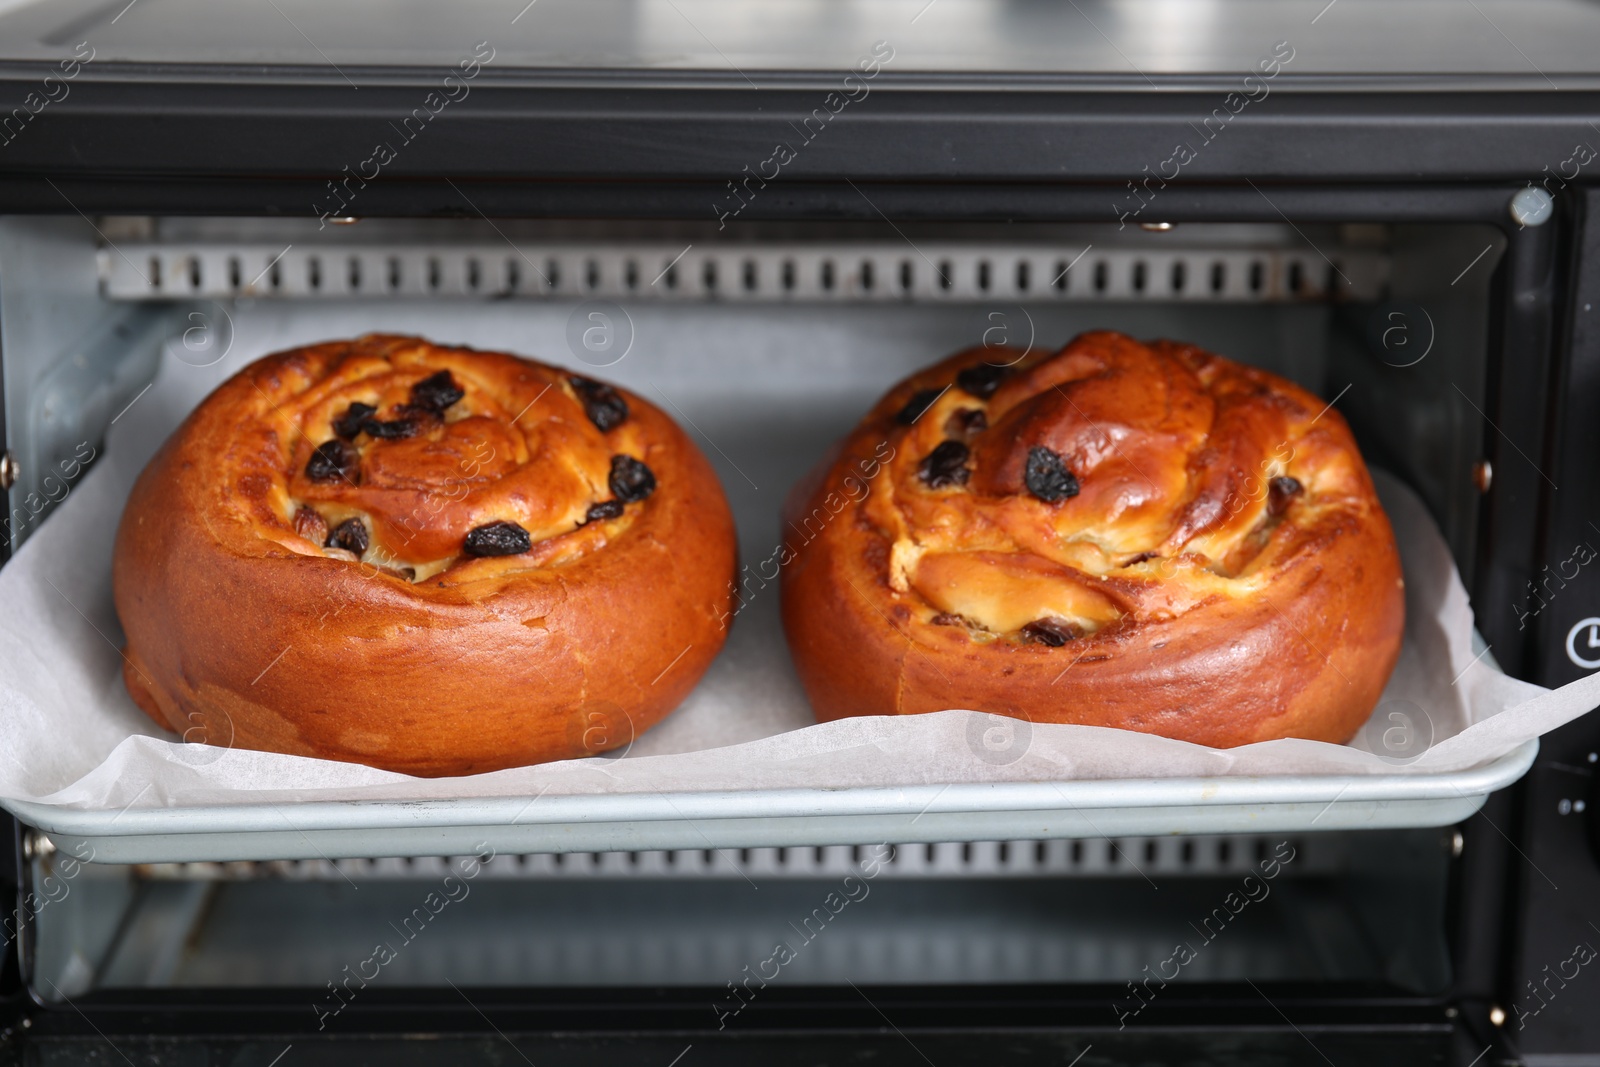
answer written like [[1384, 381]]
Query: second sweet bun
[[1143, 536], [427, 559]]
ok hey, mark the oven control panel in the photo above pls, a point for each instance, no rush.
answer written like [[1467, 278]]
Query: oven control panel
[[1555, 978]]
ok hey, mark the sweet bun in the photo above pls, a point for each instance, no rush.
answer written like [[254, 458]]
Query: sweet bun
[[426, 559], [1144, 536]]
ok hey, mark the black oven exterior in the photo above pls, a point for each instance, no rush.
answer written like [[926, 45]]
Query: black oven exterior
[[150, 140]]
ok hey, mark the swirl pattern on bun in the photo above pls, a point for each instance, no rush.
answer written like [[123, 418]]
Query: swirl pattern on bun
[[461, 561], [1143, 536]]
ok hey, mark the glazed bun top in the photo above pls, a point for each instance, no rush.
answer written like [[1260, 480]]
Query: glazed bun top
[[1045, 496], [442, 466]]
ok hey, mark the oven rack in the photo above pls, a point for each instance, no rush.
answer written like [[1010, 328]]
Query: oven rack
[[826, 272], [774, 818], [1199, 857]]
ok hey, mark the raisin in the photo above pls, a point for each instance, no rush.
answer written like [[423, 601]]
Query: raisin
[[1279, 493], [1142, 558], [630, 481], [436, 392], [1047, 476], [604, 405], [310, 525], [497, 539], [981, 380], [349, 424], [1052, 632], [966, 422], [945, 465], [390, 431], [944, 618], [920, 402], [332, 461], [350, 535], [606, 509], [417, 414]]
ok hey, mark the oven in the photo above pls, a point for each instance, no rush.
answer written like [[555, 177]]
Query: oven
[[762, 216]]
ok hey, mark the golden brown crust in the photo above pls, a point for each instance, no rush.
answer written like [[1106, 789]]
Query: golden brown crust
[[242, 628], [1198, 552]]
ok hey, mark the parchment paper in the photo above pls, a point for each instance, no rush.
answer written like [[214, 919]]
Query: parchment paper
[[70, 736]]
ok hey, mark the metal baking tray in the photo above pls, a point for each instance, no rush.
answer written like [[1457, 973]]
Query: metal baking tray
[[779, 817], [785, 413]]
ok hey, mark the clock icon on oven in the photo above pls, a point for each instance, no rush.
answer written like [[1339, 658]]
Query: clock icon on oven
[[1583, 643]]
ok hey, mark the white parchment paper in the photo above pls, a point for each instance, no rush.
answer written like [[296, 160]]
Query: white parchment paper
[[70, 735]]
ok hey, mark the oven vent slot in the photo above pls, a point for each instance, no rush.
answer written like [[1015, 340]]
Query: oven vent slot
[[811, 272], [1127, 857]]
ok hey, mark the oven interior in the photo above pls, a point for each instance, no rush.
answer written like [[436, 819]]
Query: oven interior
[[1350, 909], [767, 341]]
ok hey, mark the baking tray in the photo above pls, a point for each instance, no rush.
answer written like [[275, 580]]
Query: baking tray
[[773, 442], [642, 822]]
